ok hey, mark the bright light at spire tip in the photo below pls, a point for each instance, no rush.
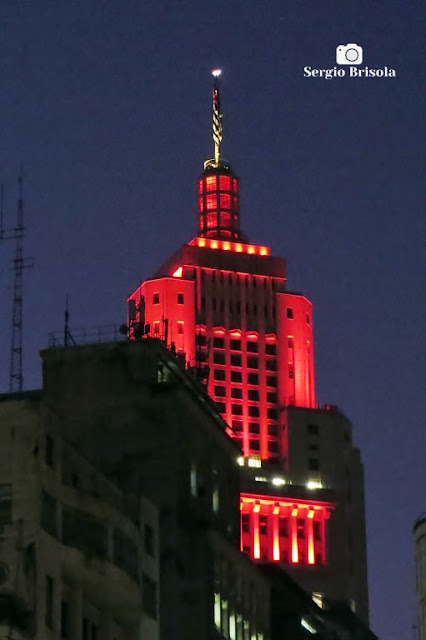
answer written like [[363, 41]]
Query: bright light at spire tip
[[216, 72]]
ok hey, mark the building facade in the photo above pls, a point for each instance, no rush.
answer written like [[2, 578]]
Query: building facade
[[224, 306], [420, 550], [78, 559]]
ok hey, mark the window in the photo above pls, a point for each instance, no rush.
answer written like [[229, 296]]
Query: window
[[5, 504], [235, 360], [308, 320], [237, 425], [252, 346], [219, 374], [224, 183], [180, 298], [219, 343], [300, 528], [125, 553], [254, 427], [180, 328], [156, 328], [236, 376], [245, 522], [64, 619], [149, 539], [149, 596], [313, 464], [271, 381], [253, 412], [271, 349], [49, 451], [48, 513], [220, 391], [235, 345], [237, 409], [156, 298], [201, 340], [225, 201], [272, 430], [83, 531], [211, 202], [221, 407], [252, 362], [271, 396], [318, 598], [272, 414], [283, 527], [253, 394], [254, 445], [211, 183], [313, 429], [290, 343], [291, 371], [273, 447], [289, 312], [236, 393], [218, 357], [317, 530], [48, 602], [271, 365], [263, 525], [253, 378]]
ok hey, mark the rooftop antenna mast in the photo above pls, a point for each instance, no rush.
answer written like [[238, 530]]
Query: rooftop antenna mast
[[67, 333], [217, 117], [19, 264]]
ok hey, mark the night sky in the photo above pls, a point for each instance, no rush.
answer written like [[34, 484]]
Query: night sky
[[107, 104]]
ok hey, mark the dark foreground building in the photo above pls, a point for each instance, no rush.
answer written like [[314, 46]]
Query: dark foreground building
[[120, 512], [224, 305]]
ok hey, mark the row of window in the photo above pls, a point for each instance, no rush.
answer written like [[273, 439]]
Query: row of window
[[251, 346], [235, 359], [156, 298], [89, 534], [253, 410], [211, 183], [237, 393], [254, 427], [237, 376], [89, 630], [290, 315], [212, 201], [254, 445], [235, 307]]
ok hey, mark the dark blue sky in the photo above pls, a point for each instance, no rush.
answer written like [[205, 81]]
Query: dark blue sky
[[107, 103]]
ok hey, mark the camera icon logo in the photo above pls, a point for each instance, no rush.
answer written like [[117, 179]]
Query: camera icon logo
[[349, 54]]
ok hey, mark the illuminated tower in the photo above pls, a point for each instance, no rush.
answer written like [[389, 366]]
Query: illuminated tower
[[223, 305]]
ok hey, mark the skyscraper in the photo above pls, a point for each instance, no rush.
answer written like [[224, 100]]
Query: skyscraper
[[224, 305]]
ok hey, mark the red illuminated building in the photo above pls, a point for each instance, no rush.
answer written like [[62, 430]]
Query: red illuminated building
[[223, 304]]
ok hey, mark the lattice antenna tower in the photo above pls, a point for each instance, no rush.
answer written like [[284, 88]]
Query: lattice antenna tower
[[16, 381]]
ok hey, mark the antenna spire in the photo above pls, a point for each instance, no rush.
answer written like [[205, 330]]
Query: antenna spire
[[217, 116]]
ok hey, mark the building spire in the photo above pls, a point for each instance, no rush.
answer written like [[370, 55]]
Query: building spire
[[217, 116]]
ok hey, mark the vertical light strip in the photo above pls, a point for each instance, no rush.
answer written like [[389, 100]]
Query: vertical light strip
[[293, 530], [311, 546], [322, 535], [256, 536], [276, 555]]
